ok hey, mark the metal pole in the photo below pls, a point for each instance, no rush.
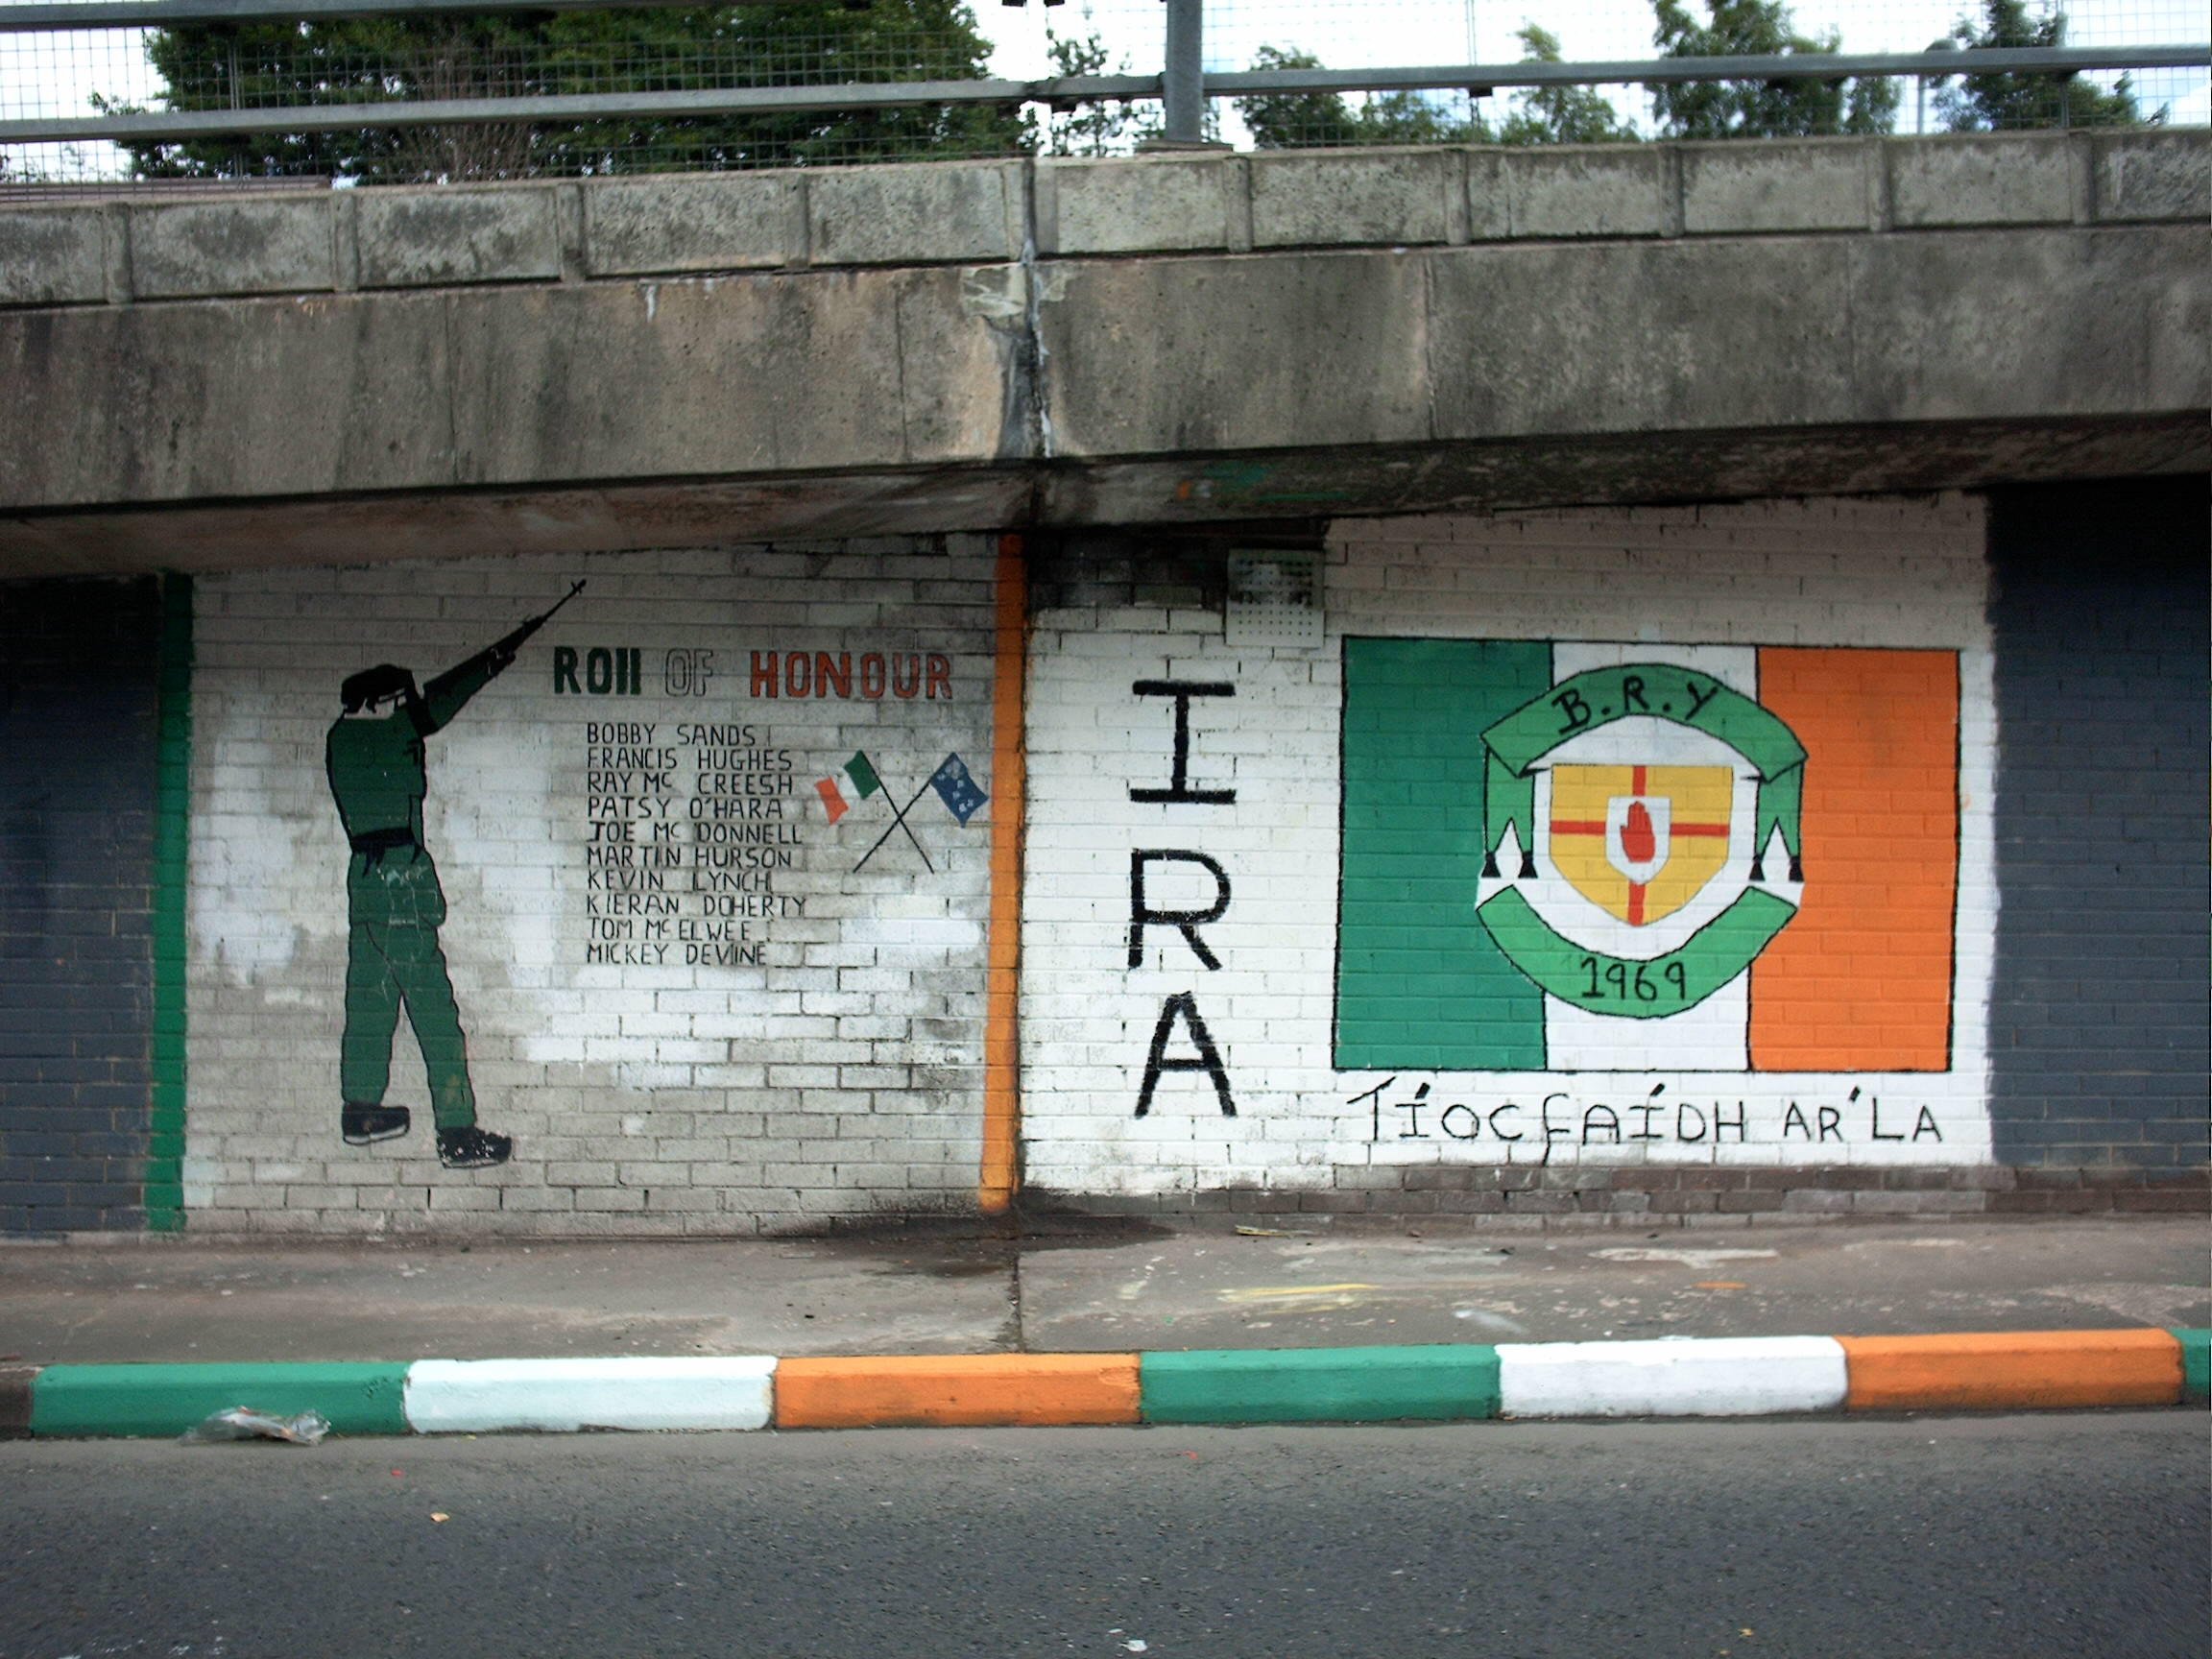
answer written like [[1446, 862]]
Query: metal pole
[[1183, 74]]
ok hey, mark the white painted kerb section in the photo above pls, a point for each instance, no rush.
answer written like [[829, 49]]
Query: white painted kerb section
[[561, 1396], [1719, 1377]]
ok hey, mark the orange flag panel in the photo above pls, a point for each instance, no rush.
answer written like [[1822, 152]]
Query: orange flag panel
[[1861, 980]]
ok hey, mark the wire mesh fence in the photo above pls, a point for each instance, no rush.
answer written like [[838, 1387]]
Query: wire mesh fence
[[1342, 34], [1501, 32], [331, 62]]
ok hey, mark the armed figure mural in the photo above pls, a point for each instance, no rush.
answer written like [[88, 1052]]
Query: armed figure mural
[[374, 759]]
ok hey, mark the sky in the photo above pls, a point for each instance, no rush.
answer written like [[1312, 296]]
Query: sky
[[1346, 34], [54, 74]]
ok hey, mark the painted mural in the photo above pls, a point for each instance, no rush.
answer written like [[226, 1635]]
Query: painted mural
[[374, 759], [1656, 836], [658, 912], [1633, 828], [1651, 837]]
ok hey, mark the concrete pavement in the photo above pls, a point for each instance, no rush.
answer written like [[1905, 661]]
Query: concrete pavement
[[1202, 1322], [1310, 1282]]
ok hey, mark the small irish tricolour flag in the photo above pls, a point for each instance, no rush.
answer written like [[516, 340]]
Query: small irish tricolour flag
[[852, 782]]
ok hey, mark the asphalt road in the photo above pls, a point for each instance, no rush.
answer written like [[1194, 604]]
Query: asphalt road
[[2074, 1535]]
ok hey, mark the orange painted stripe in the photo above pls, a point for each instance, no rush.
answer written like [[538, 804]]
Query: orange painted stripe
[[2012, 1370], [1861, 980], [955, 1391], [1000, 1174]]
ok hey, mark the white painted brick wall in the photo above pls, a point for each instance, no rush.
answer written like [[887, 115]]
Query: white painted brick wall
[[839, 1077], [844, 1075], [1881, 573]]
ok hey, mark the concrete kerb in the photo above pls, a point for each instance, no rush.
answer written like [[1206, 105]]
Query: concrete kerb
[[1681, 1377]]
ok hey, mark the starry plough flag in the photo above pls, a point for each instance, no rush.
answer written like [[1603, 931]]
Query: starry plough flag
[[957, 788], [857, 781]]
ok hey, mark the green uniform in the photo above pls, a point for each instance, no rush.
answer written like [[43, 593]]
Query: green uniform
[[393, 902]]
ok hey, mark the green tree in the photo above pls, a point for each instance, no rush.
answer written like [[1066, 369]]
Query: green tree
[[1540, 114], [1103, 127], [1316, 120], [384, 59], [1760, 108], [1560, 114], [1981, 102]]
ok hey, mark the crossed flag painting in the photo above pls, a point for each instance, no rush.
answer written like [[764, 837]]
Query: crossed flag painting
[[857, 781]]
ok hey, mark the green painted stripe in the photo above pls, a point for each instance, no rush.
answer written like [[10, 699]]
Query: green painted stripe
[[164, 1193], [2196, 1366], [1318, 1385], [1420, 983], [165, 1400]]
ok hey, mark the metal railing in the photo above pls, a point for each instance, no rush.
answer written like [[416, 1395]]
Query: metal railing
[[1484, 78], [266, 87]]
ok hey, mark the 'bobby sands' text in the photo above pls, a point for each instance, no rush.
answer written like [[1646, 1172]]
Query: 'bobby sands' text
[[687, 827]]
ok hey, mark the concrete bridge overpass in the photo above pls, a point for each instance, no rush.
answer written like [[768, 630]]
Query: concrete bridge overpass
[[1402, 490], [554, 367]]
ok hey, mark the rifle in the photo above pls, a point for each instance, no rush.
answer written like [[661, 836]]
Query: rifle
[[494, 658], [502, 650]]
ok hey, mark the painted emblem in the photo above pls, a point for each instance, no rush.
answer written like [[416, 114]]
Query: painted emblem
[[1639, 842], [1643, 841]]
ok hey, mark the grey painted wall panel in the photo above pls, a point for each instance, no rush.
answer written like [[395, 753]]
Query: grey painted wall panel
[[77, 795], [2099, 1019]]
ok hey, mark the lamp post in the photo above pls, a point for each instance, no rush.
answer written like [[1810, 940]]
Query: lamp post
[[1183, 81]]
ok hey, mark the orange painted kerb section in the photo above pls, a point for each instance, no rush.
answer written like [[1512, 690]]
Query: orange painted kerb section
[[2012, 1370], [956, 1390], [1001, 1172]]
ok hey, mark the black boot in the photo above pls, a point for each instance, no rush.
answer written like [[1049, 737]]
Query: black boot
[[472, 1149], [364, 1126]]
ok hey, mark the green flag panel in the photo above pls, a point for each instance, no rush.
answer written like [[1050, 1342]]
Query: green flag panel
[[1420, 984]]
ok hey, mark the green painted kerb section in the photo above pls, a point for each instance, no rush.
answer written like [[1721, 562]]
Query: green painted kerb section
[[172, 835], [2196, 1366], [166, 1400], [1319, 1384]]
